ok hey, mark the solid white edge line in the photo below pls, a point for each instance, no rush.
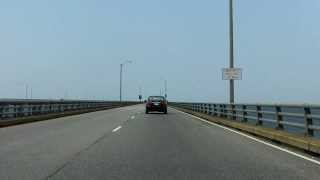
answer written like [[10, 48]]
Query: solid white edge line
[[252, 138], [117, 129]]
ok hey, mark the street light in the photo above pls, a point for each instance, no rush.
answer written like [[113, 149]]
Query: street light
[[140, 93], [27, 91], [165, 89], [121, 69], [231, 56]]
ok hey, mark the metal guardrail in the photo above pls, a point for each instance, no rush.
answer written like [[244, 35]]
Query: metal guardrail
[[15, 108], [299, 119]]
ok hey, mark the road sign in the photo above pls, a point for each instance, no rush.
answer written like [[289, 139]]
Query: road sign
[[232, 73]]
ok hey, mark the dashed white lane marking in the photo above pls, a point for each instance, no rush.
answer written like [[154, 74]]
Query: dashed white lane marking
[[117, 129], [255, 139], [132, 117]]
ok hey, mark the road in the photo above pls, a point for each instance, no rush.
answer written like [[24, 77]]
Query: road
[[125, 143]]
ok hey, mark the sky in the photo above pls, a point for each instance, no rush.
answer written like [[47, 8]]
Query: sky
[[73, 49]]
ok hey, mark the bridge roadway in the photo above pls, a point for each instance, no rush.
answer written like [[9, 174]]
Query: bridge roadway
[[125, 143]]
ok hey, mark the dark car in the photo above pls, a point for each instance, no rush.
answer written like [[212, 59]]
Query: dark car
[[156, 103]]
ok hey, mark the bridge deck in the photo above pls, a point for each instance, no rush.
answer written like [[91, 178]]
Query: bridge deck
[[125, 143]]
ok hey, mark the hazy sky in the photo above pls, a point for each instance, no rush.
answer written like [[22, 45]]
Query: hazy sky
[[74, 48]]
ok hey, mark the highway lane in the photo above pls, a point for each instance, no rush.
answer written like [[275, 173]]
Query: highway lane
[[125, 143], [34, 151]]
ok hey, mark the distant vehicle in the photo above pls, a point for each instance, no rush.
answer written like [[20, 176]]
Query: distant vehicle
[[156, 103]]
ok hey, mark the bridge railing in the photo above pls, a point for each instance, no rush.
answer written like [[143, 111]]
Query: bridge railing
[[298, 119], [15, 108]]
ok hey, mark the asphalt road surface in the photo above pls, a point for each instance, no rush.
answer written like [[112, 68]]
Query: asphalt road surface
[[126, 143]]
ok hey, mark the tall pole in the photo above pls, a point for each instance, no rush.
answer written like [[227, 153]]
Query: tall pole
[[140, 94], [231, 49], [31, 93], [27, 89], [165, 89], [121, 66], [121, 75], [66, 94]]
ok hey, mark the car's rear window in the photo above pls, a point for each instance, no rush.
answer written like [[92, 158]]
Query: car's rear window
[[156, 98]]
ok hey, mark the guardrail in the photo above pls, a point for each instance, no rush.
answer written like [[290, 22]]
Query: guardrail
[[298, 119], [15, 108]]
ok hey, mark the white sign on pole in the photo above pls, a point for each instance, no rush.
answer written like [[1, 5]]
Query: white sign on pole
[[232, 74]]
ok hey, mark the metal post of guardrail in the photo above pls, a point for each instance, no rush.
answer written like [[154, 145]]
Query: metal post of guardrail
[[1, 112], [225, 111], [259, 115], [31, 110], [13, 111], [234, 113], [17, 110], [221, 110], [279, 118], [244, 113], [308, 121], [215, 110]]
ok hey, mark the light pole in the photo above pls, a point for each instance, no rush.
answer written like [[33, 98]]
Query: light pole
[[165, 89], [231, 56], [140, 94], [31, 93], [121, 70], [27, 91]]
